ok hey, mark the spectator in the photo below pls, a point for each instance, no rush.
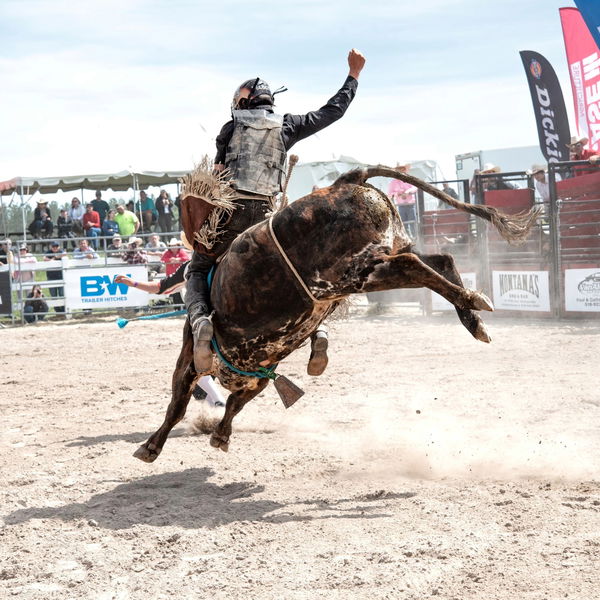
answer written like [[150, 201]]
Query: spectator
[[127, 221], [110, 227], [205, 387], [35, 308], [448, 190], [91, 224], [404, 196], [178, 207], [129, 206], [164, 209], [64, 224], [115, 248], [42, 220], [23, 274], [491, 184], [84, 251], [146, 207], [155, 249], [76, 213], [578, 152], [100, 206], [134, 255], [56, 253], [538, 172], [6, 254], [473, 187], [174, 256]]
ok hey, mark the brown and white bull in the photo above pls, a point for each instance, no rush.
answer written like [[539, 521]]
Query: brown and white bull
[[284, 276]]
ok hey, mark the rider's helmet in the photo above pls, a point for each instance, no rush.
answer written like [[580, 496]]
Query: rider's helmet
[[259, 95]]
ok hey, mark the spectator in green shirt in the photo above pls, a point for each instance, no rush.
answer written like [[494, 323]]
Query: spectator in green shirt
[[127, 221]]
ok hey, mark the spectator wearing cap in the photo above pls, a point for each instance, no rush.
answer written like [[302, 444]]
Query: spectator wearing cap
[[100, 206], [110, 227], [134, 254], [42, 220], [64, 224], [577, 151], [403, 195], [91, 224], [84, 251], [127, 221], [115, 248], [6, 254], [54, 256], [35, 308], [494, 183], [174, 256]]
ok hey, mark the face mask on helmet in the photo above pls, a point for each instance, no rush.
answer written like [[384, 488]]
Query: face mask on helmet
[[259, 95]]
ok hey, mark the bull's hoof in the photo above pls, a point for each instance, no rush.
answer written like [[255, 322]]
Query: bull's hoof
[[482, 302], [147, 453], [216, 441], [481, 333]]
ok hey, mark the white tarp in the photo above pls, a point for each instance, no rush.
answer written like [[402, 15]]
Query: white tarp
[[322, 174]]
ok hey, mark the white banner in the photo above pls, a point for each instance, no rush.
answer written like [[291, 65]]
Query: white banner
[[96, 288], [439, 303], [582, 290], [521, 290]]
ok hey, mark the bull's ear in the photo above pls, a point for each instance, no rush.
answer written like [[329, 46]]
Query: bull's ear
[[194, 212]]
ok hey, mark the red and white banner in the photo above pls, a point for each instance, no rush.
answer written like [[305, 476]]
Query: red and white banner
[[583, 57]]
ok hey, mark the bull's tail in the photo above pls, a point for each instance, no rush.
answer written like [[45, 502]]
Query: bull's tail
[[513, 228]]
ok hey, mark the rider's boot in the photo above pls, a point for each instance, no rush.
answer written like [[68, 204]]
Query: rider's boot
[[196, 300], [318, 352]]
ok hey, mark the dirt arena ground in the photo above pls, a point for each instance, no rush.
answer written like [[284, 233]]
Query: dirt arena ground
[[423, 464]]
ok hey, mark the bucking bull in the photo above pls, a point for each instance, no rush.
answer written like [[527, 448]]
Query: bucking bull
[[282, 277]]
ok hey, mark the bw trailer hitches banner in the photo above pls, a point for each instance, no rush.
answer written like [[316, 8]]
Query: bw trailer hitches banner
[[548, 106], [96, 288], [521, 290], [582, 290], [440, 303], [5, 293], [583, 57]]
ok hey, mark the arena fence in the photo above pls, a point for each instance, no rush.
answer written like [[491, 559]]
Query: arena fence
[[556, 272], [74, 285]]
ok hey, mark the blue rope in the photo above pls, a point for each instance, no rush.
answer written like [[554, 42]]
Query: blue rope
[[261, 373]]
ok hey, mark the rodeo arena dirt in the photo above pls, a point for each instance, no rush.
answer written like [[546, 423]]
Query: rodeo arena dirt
[[422, 463]]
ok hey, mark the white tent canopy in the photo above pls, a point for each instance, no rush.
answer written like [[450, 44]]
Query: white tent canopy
[[123, 180]]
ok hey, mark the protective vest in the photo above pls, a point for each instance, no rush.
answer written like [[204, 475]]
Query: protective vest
[[256, 154]]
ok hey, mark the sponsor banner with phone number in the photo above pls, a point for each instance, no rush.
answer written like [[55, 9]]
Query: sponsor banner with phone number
[[582, 290], [96, 288]]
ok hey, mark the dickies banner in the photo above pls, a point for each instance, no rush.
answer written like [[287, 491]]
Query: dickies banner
[[96, 288], [5, 293], [548, 106], [583, 57], [590, 11]]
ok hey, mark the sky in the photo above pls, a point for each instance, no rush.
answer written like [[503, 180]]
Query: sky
[[103, 86]]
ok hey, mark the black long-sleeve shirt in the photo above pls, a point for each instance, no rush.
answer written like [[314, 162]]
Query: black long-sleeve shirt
[[298, 127]]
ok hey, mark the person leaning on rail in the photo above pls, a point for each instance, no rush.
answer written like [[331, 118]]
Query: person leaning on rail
[[251, 149], [174, 284]]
